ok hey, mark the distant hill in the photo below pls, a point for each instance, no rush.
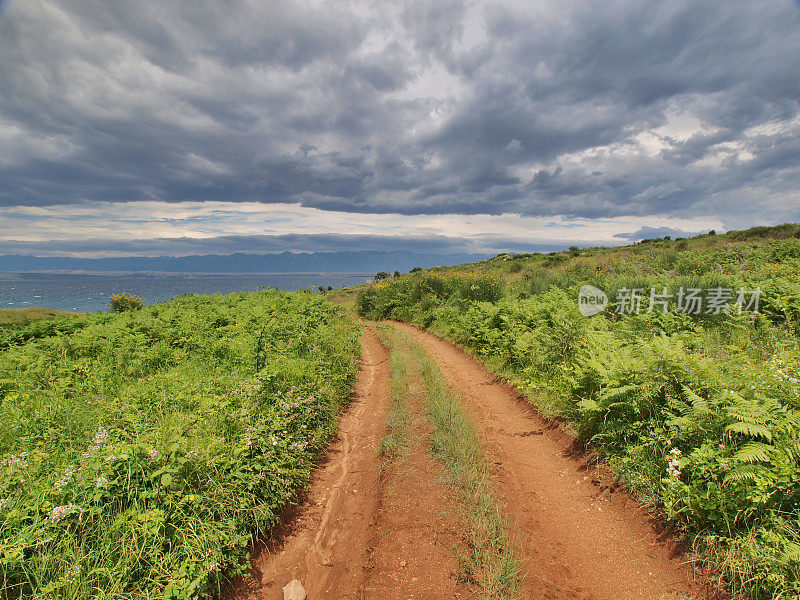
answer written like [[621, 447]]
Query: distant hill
[[285, 262]]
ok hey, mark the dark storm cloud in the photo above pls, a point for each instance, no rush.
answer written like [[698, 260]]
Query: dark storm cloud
[[583, 109]]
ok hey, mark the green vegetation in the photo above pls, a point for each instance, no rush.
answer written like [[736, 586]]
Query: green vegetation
[[141, 452], [23, 316], [398, 419], [492, 561], [125, 301], [698, 414]]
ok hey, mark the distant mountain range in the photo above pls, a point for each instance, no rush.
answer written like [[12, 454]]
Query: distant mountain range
[[285, 262]]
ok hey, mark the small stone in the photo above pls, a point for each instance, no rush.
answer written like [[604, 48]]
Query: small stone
[[403, 564], [327, 557], [294, 590]]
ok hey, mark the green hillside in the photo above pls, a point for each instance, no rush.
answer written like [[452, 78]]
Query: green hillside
[[10, 317], [687, 381], [141, 452]]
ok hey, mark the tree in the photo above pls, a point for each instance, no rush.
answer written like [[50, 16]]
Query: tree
[[381, 275]]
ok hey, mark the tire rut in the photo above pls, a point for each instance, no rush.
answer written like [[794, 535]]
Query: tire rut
[[363, 531], [323, 537]]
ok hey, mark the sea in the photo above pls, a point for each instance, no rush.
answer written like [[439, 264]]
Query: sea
[[91, 292]]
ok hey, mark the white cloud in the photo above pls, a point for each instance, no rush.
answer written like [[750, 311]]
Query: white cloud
[[207, 220]]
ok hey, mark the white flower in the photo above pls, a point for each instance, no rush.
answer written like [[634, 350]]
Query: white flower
[[65, 479], [101, 437], [102, 482], [4, 501], [12, 461], [153, 453], [674, 464], [59, 512], [213, 567], [72, 573]]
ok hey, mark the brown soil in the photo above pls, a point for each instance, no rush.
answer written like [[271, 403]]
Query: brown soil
[[365, 529], [375, 530], [579, 541], [418, 525]]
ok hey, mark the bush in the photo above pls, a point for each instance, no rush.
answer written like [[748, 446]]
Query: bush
[[698, 414], [388, 299], [125, 301], [140, 453]]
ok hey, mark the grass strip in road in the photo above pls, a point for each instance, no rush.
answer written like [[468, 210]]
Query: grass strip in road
[[398, 420], [493, 560]]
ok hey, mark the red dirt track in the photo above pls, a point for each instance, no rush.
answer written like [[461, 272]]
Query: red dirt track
[[372, 531], [578, 542]]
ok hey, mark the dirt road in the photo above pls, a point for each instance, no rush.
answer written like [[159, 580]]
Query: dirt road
[[578, 542], [323, 540], [365, 530]]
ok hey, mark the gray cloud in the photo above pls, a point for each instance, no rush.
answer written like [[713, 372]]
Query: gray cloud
[[589, 110]]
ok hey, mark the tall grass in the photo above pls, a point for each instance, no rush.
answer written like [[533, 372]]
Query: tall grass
[[698, 414], [141, 452]]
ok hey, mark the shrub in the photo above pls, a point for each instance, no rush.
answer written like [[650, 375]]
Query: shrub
[[140, 453], [698, 414], [125, 301]]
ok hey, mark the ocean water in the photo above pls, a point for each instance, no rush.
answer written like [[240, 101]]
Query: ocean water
[[89, 293]]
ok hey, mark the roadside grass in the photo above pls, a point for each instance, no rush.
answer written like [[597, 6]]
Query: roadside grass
[[493, 559], [142, 452], [697, 412]]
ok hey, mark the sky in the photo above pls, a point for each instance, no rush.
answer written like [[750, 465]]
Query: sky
[[195, 127]]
